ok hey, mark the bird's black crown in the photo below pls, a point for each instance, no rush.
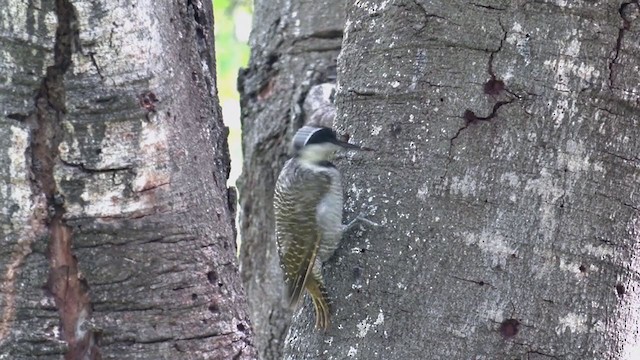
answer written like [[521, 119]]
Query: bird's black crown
[[308, 135]]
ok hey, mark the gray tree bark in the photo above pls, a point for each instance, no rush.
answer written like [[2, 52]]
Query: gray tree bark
[[505, 179], [117, 231], [294, 46]]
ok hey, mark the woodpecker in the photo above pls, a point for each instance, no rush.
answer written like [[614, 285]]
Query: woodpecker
[[308, 204]]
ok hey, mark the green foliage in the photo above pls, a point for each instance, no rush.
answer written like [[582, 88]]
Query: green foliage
[[232, 26]]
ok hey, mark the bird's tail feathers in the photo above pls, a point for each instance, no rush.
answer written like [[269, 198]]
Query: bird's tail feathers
[[321, 302], [297, 284]]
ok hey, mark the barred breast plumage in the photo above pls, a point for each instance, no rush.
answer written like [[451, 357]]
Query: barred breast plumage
[[308, 211]]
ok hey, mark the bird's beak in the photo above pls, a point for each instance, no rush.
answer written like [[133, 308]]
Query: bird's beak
[[349, 146]]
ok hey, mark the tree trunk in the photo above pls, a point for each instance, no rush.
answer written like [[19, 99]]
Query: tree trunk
[[505, 179], [117, 234], [294, 48]]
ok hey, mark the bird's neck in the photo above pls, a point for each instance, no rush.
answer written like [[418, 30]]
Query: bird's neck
[[316, 156], [324, 163]]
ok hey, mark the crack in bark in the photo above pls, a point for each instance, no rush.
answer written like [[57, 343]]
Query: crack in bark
[[631, 206], [634, 159], [330, 34], [363, 92], [624, 203], [531, 349], [196, 7], [626, 24], [427, 15], [92, 56], [327, 34], [494, 52], [202, 37], [608, 111], [470, 118], [65, 283], [240, 352], [538, 352], [164, 339], [318, 49], [246, 343], [479, 283], [492, 87], [82, 167], [488, 7]]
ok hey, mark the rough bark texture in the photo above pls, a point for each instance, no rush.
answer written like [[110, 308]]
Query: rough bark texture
[[294, 47], [117, 237], [506, 180]]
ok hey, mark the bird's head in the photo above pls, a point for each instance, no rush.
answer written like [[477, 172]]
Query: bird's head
[[319, 144]]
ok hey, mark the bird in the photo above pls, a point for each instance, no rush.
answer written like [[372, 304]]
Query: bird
[[308, 202]]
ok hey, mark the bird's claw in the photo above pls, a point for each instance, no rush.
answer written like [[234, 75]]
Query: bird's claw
[[362, 217]]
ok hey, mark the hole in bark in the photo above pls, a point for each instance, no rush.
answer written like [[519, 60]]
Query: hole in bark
[[582, 268], [267, 90], [241, 327], [272, 59], [481, 283], [214, 308], [194, 296], [17, 116], [148, 100], [469, 116], [620, 290], [493, 87], [200, 32], [212, 277], [628, 12], [395, 129], [441, 99], [509, 328]]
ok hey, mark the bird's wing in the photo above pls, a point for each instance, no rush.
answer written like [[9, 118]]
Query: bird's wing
[[298, 233]]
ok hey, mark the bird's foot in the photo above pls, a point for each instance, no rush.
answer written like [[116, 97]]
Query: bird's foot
[[362, 217]]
